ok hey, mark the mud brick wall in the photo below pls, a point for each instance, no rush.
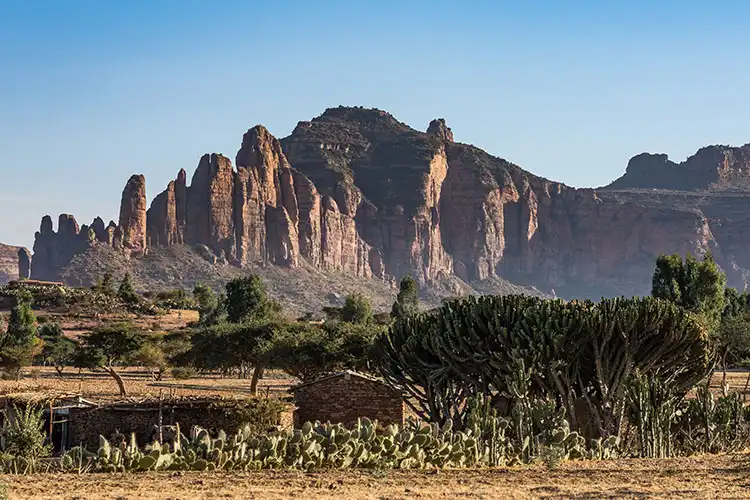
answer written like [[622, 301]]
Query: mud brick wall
[[345, 399], [86, 424]]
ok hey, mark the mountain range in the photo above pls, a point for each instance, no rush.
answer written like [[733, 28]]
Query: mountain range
[[356, 194]]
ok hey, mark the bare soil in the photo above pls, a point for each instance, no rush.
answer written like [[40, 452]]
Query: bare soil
[[723, 476], [100, 387]]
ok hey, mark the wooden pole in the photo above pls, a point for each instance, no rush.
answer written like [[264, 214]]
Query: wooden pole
[[51, 419], [161, 418]]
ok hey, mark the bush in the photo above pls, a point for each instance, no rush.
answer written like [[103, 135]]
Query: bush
[[183, 372], [24, 434], [259, 414]]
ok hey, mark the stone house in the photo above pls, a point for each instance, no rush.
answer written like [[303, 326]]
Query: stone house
[[144, 418], [72, 421], [346, 396]]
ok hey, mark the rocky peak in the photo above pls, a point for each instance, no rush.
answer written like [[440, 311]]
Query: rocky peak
[[24, 263], [710, 168], [133, 208], [439, 129], [358, 192]]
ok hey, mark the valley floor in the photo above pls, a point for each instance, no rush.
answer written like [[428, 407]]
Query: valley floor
[[722, 476]]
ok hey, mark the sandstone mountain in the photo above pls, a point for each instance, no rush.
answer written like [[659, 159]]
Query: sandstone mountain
[[356, 193]]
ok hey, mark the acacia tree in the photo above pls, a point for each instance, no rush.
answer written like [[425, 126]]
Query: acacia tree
[[308, 351], [231, 348], [58, 350], [108, 346], [20, 343], [407, 300], [152, 356]]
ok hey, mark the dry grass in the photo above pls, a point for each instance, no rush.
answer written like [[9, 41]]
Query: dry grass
[[76, 325], [100, 387], [723, 476]]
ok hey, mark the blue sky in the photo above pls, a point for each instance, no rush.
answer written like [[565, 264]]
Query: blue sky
[[92, 91]]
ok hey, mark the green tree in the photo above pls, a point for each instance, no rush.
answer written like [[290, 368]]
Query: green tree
[[357, 309], [107, 347], [407, 300], [246, 300], [127, 292], [152, 356], [231, 348], [206, 300], [108, 284], [732, 341], [20, 343], [308, 351], [57, 349], [696, 285]]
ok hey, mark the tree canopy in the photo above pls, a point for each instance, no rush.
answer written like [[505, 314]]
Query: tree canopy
[[246, 300], [20, 343], [108, 346], [695, 285], [407, 300], [357, 309]]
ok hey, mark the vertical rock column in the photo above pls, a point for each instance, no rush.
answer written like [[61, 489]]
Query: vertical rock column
[[133, 215]]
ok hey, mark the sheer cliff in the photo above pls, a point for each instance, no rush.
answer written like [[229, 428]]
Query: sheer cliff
[[354, 191]]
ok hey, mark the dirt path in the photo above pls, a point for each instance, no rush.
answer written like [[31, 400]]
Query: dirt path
[[701, 477]]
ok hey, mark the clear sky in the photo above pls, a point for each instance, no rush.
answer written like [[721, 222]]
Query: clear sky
[[92, 91]]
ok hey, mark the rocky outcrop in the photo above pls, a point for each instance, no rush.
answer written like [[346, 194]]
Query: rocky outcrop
[[24, 263], [53, 250], [358, 192], [11, 266], [439, 129], [133, 215], [711, 167]]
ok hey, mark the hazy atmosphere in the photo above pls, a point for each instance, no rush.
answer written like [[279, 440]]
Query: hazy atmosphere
[[92, 92]]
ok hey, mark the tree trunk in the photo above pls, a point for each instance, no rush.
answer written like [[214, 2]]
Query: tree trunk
[[257, 373], [59, 370], [118, 379], [724, 374]]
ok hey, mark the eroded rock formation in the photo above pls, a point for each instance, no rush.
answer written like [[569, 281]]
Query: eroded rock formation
[[24, 263], [11, 265], [133, 214], [358, 192]]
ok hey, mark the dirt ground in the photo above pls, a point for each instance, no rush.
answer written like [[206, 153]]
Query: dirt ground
[[724, 476], [100, 387]]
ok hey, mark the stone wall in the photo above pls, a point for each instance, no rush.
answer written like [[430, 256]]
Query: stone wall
[[87, 424], [345, 398]]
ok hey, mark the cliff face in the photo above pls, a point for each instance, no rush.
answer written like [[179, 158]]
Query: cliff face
[[358, 192], [711, 167], [12, 263]]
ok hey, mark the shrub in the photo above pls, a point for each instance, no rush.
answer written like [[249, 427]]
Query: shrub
[[24, 433], [183, 372]]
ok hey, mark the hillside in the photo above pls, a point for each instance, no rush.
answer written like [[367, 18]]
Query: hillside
[[356, 194], [303, 289]]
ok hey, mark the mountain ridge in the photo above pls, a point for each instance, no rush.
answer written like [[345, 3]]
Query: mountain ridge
[[357, 192]]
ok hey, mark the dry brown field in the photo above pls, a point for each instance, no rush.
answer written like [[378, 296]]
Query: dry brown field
[[722, 476]]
